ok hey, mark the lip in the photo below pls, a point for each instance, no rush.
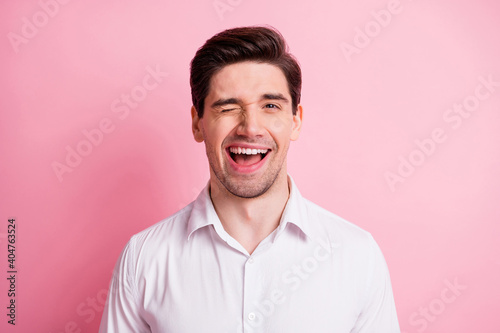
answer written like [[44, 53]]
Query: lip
[[246, 169]]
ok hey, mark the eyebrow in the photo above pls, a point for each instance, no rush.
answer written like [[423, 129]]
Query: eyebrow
[[278, 97], [226, 101]]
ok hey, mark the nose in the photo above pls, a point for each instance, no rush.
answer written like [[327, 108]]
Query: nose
[[250, 124]]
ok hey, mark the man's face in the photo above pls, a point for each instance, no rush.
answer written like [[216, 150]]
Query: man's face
[[247, 126]]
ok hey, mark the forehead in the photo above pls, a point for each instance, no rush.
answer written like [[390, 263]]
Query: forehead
[[247, 80]]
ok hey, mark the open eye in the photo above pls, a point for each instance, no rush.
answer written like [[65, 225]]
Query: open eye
[[271, 106]]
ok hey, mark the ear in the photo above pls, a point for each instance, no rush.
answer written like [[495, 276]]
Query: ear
[[297, 123], [195, 126]]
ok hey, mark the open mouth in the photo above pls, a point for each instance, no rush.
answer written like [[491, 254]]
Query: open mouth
[[247, 156]]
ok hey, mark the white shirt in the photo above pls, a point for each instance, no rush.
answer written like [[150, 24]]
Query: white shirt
[[315, 273]]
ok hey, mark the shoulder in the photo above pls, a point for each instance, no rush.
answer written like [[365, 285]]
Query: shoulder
[[165, 232], [353, 246], [337, 229]]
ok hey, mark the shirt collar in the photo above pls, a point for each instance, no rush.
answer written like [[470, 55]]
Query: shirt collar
[[203, 212], [295, 212]]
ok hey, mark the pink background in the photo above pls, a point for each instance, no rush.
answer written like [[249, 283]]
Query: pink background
[[65, 73]]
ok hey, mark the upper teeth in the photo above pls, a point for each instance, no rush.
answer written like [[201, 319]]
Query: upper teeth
[[248, 151]]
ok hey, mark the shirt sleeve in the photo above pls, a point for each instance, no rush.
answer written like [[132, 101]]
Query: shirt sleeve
[[378, 312], [122, 312]]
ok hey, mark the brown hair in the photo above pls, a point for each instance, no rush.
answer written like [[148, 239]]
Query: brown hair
[[260, 44]]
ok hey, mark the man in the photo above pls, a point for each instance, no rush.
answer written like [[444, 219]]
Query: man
[[249, 254]]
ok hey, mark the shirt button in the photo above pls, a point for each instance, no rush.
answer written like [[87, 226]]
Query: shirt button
[[250, 261], [251, 316]]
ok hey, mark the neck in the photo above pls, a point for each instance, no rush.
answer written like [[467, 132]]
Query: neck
[[249, 221]]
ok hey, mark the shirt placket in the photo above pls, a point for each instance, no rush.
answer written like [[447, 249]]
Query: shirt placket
[[253, 320]]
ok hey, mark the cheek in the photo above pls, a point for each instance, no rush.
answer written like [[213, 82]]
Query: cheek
[[216, 133], [281, 129]]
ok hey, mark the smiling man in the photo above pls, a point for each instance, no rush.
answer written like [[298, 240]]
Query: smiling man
[[250, 254]]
